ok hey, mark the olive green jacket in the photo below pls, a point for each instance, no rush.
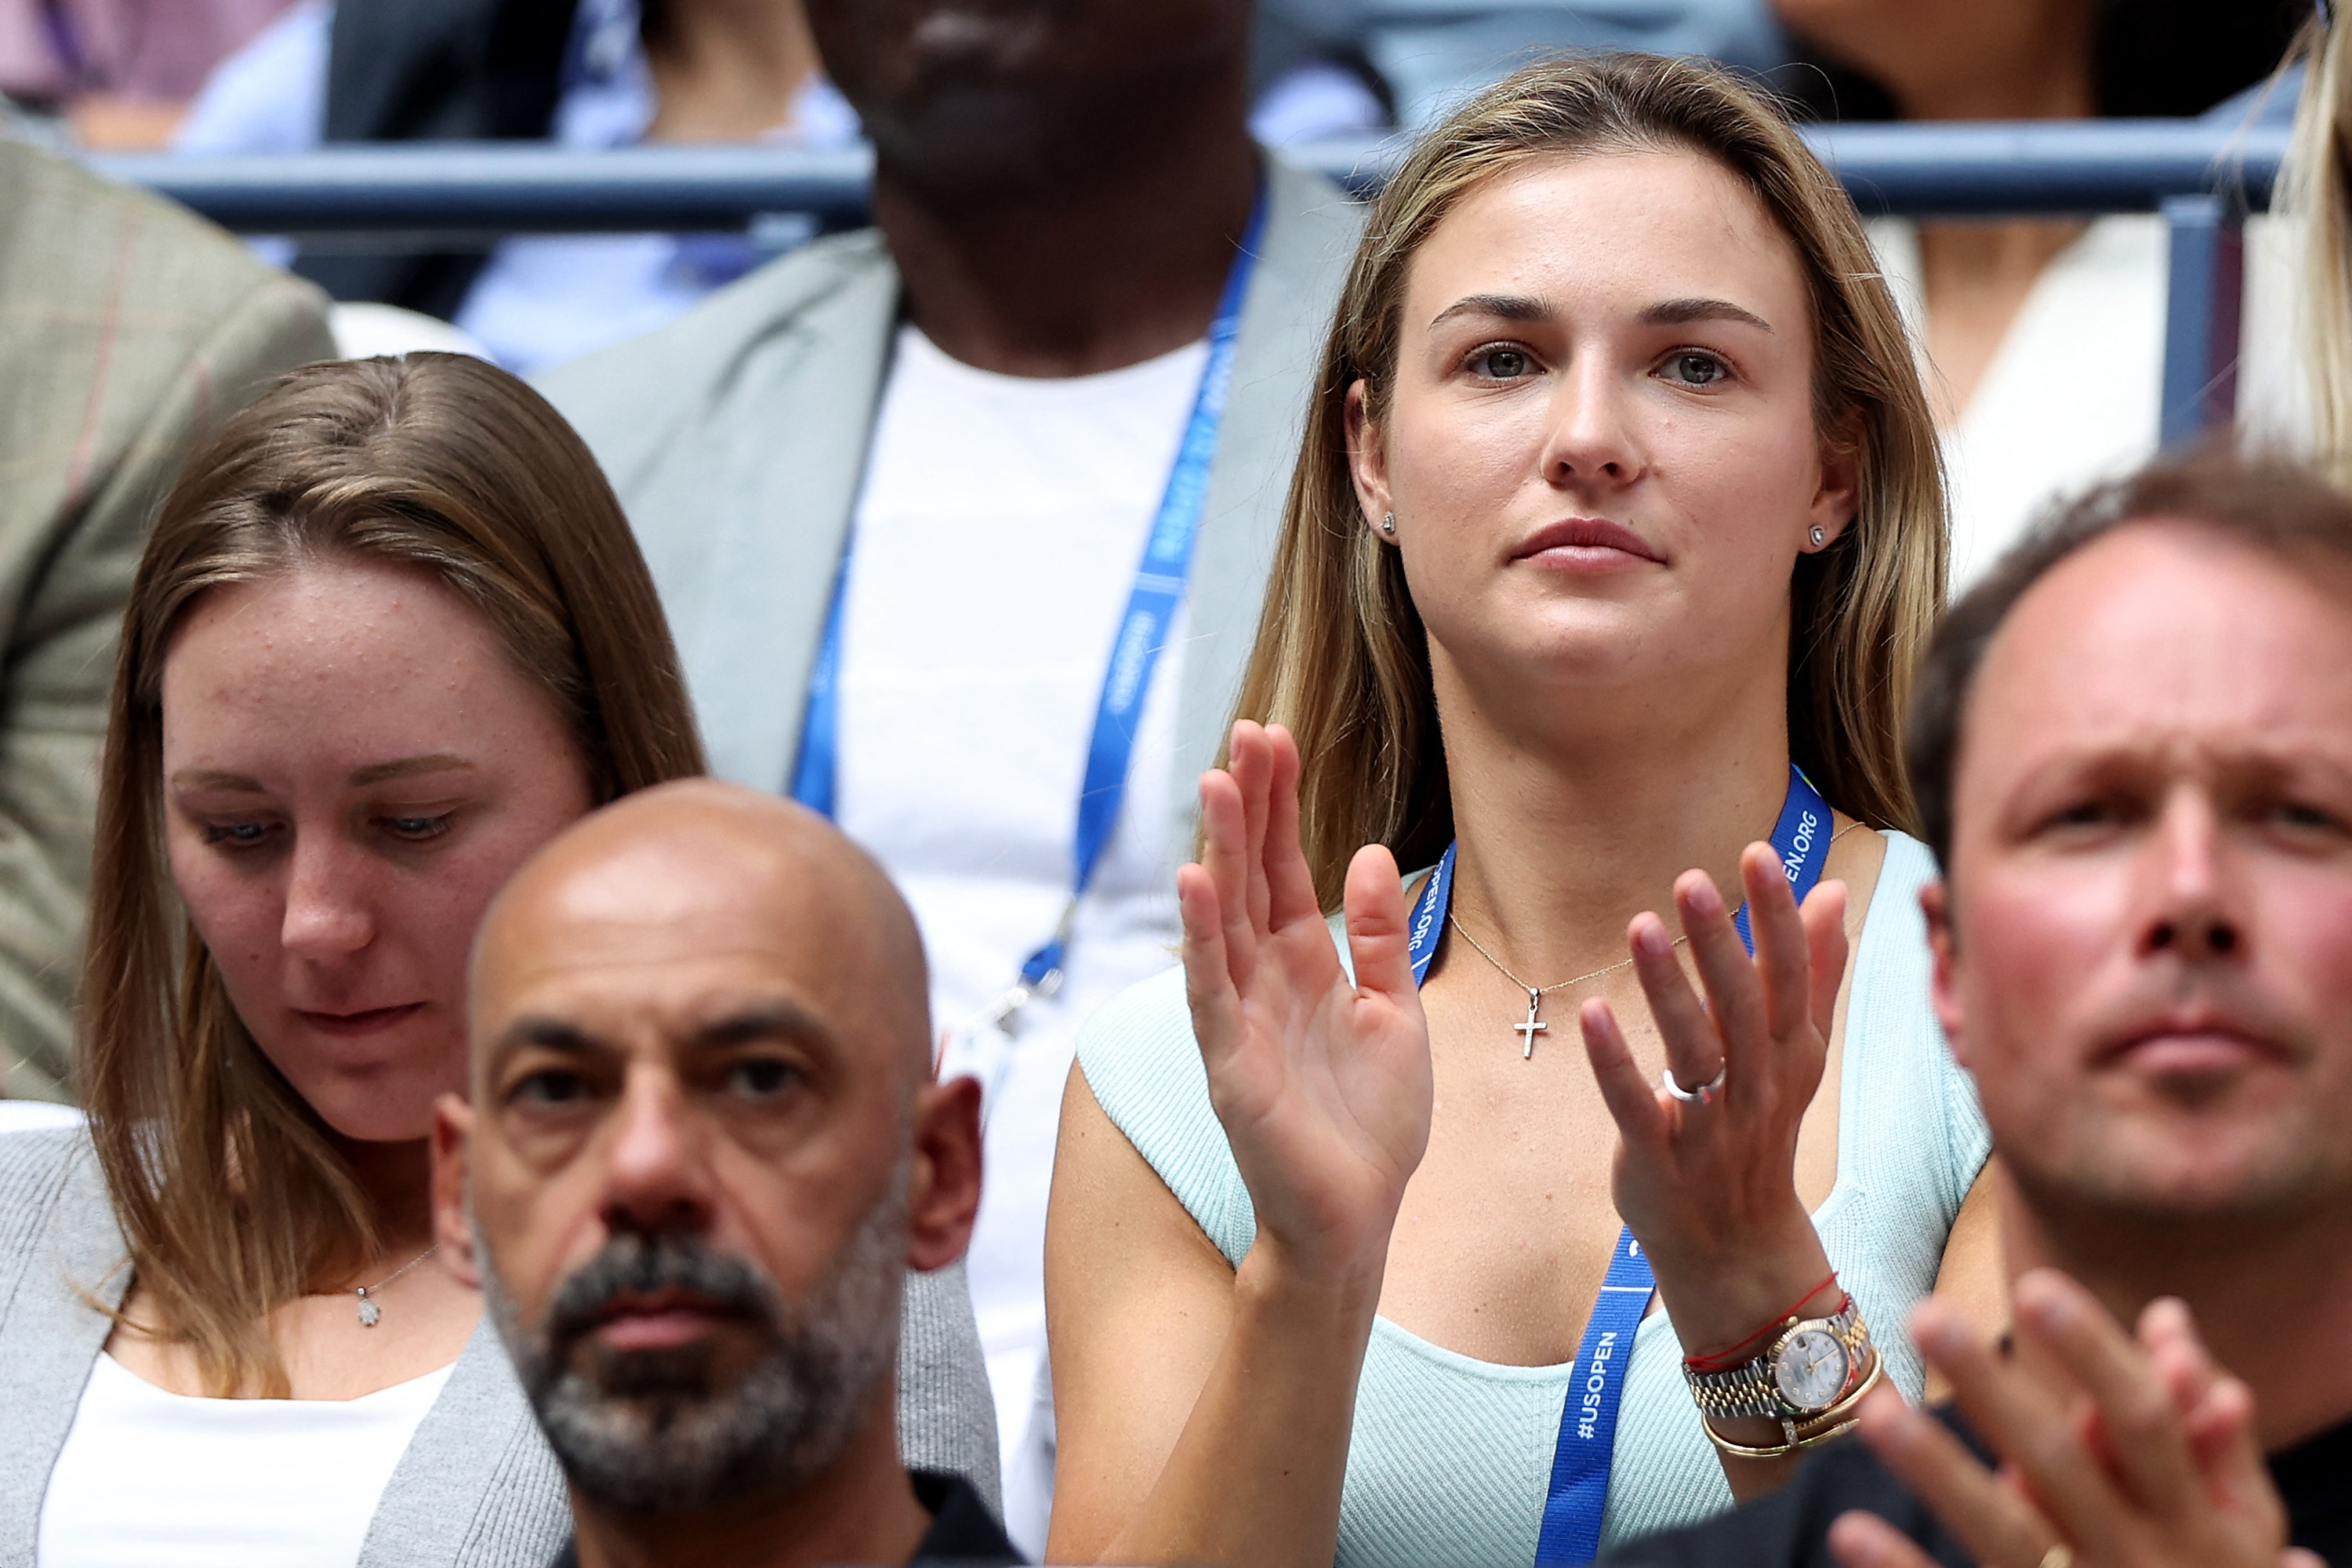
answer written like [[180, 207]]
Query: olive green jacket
[[128, 327]]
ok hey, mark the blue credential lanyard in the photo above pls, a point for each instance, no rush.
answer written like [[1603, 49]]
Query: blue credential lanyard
[[1151, 606], [1588, 1425]]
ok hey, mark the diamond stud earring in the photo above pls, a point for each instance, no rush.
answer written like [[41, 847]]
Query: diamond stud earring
[[1388, 524], [1821, 536]]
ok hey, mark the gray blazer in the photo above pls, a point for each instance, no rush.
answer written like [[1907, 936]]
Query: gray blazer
[[478, 1486], [736, 438]]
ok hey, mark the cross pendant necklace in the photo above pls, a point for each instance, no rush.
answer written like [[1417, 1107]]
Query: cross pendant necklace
[[1535, 1025], [1531, 1029]]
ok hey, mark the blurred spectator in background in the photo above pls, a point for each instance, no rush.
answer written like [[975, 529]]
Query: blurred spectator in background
[[1435, 53], [128, 329], [586, 74], [948, 440], [120, 71], [2046, 338], [593, 74], [1310, 76]]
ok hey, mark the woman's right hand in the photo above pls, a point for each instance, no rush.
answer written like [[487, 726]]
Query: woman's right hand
[[1323, 1086]]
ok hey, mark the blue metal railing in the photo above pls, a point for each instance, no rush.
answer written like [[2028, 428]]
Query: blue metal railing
[[2202, 177]]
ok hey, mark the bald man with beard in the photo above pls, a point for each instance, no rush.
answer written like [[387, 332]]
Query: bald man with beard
[[703, 1149]]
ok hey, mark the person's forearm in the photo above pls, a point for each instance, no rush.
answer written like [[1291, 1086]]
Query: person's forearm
[[1256, 1476], [1722, 1291]]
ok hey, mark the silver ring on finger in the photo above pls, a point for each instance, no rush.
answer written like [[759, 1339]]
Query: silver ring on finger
[[1703, 1094]]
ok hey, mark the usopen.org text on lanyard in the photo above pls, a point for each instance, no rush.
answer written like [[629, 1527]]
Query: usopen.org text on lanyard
[[1587, 1425], [1151, 606]]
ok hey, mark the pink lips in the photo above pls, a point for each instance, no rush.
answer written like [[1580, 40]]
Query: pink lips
[[1587, 545], [2192, 1055], [2192, 1043], [663, 1320], [354, 1025]]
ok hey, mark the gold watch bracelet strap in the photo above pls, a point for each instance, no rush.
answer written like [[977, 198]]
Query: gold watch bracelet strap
[[1747, 1389], [1834, 1422]]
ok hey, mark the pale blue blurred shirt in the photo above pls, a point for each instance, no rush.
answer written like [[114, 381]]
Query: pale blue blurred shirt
[[542, 298], [1434, 53]]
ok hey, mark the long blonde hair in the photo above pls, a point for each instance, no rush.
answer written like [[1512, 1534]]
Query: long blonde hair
[[229, 1192], [1340, 656], [2315, 190]]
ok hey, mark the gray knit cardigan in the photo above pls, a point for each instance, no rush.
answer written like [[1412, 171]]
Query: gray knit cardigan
[[478, 1486]]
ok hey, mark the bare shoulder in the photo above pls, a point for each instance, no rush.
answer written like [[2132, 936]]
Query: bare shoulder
[[1113, 1224], [1138, 1301]]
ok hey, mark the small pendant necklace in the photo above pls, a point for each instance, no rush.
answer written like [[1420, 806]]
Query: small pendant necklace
[[1536, 994], [370, 1313], [1534, 1025]]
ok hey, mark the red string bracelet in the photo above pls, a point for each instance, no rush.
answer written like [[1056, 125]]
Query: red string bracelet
[[1744, 1350]]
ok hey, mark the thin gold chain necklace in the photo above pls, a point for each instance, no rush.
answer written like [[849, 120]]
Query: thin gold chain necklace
[[1536, 994], [1534, 1025]]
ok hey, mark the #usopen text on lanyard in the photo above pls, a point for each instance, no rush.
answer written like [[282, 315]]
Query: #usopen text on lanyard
[[1588, 1423], [983, 1049]]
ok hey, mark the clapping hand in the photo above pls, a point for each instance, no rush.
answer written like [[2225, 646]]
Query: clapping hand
[[1323, 1085], [1709, 1185], [2138, 1454]]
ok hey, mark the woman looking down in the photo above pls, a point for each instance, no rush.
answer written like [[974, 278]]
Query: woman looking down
[[390, 635], [1620, 495]]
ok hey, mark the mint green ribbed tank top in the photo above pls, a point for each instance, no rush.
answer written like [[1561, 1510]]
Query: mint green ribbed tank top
[[1450, 1458]]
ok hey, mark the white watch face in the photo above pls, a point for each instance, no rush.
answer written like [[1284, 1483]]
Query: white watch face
[[1810, 1371]]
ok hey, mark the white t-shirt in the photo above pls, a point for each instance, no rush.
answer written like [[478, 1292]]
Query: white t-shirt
[[2073, 394], [148, 1476], [994, 547]]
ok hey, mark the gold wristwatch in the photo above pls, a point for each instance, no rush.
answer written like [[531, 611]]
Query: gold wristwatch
[[1809, 1378]]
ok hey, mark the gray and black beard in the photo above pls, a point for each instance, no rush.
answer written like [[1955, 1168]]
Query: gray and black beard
[[654, 1431]]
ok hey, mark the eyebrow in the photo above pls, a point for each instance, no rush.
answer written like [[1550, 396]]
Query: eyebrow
[[409, 767], [767, 1021], [1678, 312], [207, 778], [547, 1034], [374, 772], [1665, 313], [1510, 306]]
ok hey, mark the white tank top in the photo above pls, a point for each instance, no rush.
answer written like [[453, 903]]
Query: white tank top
[[148, 1476]]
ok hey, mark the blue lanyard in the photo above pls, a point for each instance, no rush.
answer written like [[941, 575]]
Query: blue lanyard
[[1588, 1424], [1151, 606]]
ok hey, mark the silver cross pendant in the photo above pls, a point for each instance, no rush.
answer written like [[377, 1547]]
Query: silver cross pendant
[[1531, 1029]]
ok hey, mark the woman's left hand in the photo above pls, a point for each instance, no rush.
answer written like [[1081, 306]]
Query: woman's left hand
[[1708, 1185]]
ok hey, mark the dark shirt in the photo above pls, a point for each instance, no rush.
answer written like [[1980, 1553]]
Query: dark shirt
[[963, 1533], [435, 70], [1789, 1527]]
